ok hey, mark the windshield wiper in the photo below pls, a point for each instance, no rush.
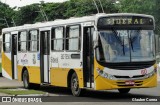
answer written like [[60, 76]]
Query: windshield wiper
[[131, 44], [116, 34], [123, 46], [133, 39], [121, 43]]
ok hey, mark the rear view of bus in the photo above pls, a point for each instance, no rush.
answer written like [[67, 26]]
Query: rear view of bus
[[125, 52]]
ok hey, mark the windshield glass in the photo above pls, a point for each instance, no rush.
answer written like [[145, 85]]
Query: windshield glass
[[126, 45]]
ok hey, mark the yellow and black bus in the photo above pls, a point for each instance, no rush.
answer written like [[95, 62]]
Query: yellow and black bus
[[99, 52]]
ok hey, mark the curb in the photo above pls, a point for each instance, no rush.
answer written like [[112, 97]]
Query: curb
[[29, 95]]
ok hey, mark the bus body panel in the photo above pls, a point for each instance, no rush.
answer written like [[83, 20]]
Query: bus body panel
[[31, 62], [60, 68], [59, 76], [6, 65], [34, 73]]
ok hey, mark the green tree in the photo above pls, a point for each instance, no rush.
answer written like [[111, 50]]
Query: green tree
[[157, 16], [138, 6], [87, 7], [150, 7], [26, 14], [5, 13], [72, 8]]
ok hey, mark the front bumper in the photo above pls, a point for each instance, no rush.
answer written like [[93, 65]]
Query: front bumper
[[102, 83]]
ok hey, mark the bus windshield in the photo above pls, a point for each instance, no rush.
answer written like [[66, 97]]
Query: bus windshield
[[127, 45]]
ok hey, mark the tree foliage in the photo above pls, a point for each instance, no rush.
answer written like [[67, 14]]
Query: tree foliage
[[76, 8], [72, 8], [26, 14], [150, 7], [5, 15]]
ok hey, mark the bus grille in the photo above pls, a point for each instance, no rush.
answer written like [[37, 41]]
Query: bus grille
[[137, 83], [127, 77], [130, 67]]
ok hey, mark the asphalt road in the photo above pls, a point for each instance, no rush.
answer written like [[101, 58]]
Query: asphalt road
[[104, 96], [63, 96]]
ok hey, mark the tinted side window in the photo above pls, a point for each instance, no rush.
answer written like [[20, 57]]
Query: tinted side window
[[6, 42], [73, 38], [57, 39], [22, 41], [33, 41]]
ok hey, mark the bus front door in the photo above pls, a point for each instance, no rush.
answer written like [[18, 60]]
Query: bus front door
[[44, 56], [14, 56], [88, 57]]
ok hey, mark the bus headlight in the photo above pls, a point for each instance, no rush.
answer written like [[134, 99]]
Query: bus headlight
[[150, 74], [105, 75]]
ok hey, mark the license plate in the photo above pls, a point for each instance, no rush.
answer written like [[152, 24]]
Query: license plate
[[129, 82]]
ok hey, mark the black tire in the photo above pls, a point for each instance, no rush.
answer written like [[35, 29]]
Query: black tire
[[76, 91], [124, 91], [26, 82]]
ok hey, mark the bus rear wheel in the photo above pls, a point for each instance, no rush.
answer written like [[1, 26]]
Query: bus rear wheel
[[124, 91], [26, 80], [26, 83], [76, 91]]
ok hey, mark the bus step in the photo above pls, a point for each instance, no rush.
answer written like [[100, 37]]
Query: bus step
[[45, 84], [88, 85]]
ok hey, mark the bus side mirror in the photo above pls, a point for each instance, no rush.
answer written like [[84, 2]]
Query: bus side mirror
[[95, 34]]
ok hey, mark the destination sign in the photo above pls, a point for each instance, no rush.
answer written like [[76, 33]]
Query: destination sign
[[125, 21]]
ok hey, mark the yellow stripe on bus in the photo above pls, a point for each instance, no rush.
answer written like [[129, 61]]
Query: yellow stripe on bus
[[59, 76], [34, 73], [6, 64]]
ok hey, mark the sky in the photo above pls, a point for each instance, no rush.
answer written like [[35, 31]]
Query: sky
[[20, 3]]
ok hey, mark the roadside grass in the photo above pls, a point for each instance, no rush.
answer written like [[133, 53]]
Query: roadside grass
[[19, 92], [0, 68]]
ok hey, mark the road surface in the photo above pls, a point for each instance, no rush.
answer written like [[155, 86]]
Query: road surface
[[99, 97]]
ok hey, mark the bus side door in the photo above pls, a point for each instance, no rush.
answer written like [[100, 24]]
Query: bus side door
[[14, 54], [44, 55], [88, 56]]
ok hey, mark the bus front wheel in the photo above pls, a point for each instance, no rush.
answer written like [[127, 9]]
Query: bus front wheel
[[76, 91], [124, 91]]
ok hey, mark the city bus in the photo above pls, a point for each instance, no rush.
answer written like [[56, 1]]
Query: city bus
[[98, 52]]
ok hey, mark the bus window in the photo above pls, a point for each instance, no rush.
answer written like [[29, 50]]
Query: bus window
[[57, 39], [6, 42], [22, 41], [73, 38], [33, 41]]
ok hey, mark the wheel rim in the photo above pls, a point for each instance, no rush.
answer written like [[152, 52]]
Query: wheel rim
[[75, 85]]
